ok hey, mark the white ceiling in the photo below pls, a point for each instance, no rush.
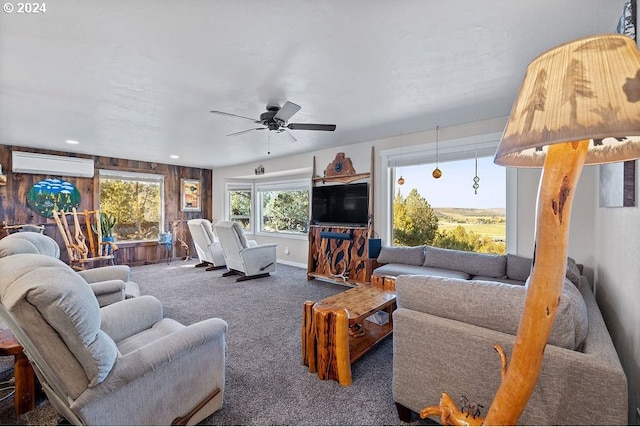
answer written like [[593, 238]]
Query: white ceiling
[[136, 79]]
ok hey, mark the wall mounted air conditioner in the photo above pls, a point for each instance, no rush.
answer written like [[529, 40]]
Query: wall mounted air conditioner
[[45, 164]]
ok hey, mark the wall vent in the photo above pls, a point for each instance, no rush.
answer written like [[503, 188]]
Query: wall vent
[[45, 164]]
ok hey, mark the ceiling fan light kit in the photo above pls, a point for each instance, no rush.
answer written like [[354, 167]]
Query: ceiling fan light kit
[[276, 118]]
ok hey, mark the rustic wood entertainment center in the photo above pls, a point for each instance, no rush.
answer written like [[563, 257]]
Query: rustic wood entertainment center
[[340, 253]]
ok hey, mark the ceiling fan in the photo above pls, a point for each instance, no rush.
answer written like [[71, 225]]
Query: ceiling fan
[[276, 118]]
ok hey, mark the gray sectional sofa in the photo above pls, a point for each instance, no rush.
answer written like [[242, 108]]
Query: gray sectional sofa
[[453, 306]]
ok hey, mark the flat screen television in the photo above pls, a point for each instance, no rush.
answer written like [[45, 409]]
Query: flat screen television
[[344, 204]]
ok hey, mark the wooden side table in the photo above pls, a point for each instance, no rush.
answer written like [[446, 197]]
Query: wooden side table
[[24, 397]]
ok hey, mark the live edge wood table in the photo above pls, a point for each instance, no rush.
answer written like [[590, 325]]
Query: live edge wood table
[[24, 398], [327, 346]]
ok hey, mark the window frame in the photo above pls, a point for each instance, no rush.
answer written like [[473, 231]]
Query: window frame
[[235, 186], [125, 175], [289, 185], [451, 149]]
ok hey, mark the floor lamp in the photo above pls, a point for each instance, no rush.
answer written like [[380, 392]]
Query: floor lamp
[[579, 104]]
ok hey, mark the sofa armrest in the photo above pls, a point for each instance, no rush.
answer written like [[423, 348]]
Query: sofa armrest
[[259, 259], [179, 353], [161, 351], [131, 316], [110, 272], [432, 354], [108, 291]]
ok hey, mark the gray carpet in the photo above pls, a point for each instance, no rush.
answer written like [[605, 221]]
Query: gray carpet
[[266, 383]]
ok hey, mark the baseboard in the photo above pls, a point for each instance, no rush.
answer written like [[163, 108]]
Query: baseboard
[[293, 264]]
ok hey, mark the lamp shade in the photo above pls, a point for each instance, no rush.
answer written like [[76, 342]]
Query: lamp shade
[[587, 89]]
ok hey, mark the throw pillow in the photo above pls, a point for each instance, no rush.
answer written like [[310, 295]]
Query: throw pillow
[[518, 267], [410, 255], [573, 272], [473, 263]]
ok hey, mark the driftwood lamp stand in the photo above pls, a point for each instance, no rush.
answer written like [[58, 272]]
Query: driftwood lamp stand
[[579, 104]]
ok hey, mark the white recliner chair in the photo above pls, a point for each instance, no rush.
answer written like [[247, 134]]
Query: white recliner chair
[[123, 364], [109, 283], [207, 245], [243, 257]]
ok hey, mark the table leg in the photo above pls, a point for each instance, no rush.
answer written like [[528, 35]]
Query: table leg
[[24, 399], [332, 344], [308, 337]]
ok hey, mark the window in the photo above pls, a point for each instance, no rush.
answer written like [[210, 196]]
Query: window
[[136, 200], [239, 201], [448, 212], [283, 207]]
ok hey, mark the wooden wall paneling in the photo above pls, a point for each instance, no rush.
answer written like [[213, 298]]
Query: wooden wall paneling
[[14, 209]]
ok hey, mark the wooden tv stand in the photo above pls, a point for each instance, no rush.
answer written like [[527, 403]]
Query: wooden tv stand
[[340, 253]]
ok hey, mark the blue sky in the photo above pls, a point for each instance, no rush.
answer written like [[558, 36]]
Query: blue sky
[[454, 188]]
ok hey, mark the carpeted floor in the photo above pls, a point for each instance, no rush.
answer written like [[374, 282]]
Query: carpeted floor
[[266, 383]]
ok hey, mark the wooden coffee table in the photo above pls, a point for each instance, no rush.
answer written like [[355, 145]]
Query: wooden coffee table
[[327, 346]]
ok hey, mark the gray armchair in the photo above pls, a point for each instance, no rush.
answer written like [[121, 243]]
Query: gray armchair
[[249, 260], [109, 284], [123, 364], [207, 245]]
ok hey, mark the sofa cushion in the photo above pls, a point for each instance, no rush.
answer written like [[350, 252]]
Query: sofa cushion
[[491, 305], [495, 279], [518, 267], [473, 263], [410, 255], [396, 270]]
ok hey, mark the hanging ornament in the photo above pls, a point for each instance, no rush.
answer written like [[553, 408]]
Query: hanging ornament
[[437, 173], [476, 178], [401, 179]]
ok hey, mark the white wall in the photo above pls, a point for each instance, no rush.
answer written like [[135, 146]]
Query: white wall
[[581, 234], [520, 212], [617, 282], [360, 155]]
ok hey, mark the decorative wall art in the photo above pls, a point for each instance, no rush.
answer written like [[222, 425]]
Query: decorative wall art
[[618, 184], [618, 180], [190, 195], [52, 194]]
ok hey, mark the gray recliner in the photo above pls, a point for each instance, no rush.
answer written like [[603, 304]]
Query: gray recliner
[[207, 245], [243, 257], [109, 284], [123, 364]]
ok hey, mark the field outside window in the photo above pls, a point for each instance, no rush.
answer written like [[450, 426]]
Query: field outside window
[[284, 209], [447, 212], [136, 201]]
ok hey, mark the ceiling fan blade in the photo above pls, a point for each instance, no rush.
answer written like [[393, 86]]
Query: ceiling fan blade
[[244, 131], [289, 135], [233, 115], [311, 126], [287, 111]]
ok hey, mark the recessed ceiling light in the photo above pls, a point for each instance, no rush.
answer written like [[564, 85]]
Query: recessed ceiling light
[[71, 141], [174, 156]]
